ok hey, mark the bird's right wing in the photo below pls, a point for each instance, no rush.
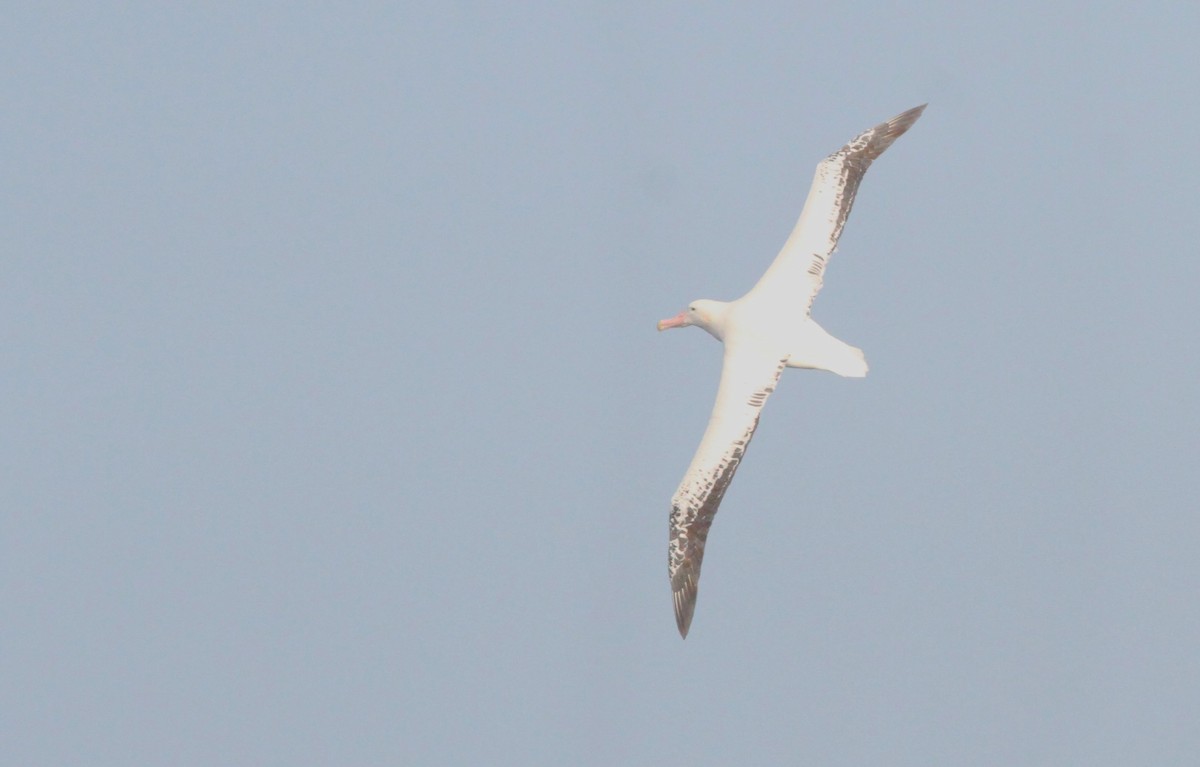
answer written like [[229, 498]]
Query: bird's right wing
[[799, 269], [747, 379]]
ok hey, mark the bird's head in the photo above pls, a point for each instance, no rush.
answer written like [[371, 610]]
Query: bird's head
[[703, 313]]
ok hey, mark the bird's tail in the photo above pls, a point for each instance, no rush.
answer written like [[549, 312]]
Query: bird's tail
[[822, 351], [849, 362]]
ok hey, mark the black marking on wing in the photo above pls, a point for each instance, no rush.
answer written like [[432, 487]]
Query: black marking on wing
[[694, 507], [857, 155], [850, 163], [815, 236]]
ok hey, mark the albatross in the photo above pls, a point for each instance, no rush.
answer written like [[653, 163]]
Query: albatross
[[768, 329]]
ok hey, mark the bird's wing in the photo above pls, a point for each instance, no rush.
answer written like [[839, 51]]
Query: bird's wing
[[798, 271], [747, 379]]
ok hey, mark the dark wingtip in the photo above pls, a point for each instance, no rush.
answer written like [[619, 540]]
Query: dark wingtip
[[903, 121], [684, 587], [874, 142]]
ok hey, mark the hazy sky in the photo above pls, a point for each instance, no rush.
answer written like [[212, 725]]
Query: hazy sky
[[335, 429]]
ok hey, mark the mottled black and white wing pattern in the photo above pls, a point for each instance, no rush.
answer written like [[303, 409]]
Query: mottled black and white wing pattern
[[800, 266], [747, 379]]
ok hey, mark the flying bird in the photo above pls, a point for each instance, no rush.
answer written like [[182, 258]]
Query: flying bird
[[763, 332]]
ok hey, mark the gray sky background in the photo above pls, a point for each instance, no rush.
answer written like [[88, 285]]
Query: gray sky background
[[336, 430]]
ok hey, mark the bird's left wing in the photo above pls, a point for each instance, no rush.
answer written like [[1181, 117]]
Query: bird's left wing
[[747, 379]]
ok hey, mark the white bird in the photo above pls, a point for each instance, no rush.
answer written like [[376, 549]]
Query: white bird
[[764, 331]]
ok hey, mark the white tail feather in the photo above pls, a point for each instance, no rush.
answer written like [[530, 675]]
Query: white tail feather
[[817, 350]]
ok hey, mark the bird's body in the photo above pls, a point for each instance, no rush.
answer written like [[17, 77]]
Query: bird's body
[[763, 332]]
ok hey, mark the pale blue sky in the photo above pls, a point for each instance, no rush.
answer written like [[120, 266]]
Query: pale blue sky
[[336, 429]]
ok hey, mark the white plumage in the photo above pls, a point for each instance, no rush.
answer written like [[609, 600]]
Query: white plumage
[[764, 331]]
